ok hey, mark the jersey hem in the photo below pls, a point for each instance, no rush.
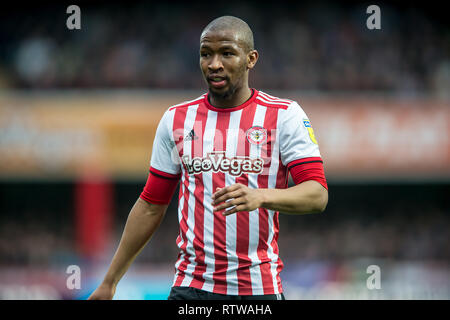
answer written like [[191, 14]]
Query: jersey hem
[[229, 294]]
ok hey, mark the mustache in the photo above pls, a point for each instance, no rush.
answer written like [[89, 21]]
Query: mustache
[[214, 76]]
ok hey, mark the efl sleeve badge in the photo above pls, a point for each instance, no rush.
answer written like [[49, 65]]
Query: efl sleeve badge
[[308, 127]]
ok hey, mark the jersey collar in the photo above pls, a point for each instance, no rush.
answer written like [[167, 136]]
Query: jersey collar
[[239, 107]]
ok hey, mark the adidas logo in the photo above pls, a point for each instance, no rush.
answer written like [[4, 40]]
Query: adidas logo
[[191, 136]]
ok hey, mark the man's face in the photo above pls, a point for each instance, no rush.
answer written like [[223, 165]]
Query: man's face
[[224, 62]]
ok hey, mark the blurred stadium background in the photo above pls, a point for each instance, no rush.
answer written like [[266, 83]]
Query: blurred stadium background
[[79, 108]]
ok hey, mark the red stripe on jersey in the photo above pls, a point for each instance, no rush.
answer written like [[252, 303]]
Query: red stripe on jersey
[[242, 218], [218, 181], [282, 176], [178, 135], [199, 211], [272, 98], [274, 245], [281, 183], [273, 105], [270, 123], [280, 102]]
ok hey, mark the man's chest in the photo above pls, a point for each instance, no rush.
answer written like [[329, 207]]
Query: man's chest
[[234, 150]]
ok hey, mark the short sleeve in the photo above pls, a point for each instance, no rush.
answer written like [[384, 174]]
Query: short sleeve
[[297, 140], [164, 153]]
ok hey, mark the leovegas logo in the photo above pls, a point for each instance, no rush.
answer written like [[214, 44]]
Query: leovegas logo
[[217, 161]]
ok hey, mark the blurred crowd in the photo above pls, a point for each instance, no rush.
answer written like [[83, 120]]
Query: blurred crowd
[[312, 46], [408, 235], [36, 242]]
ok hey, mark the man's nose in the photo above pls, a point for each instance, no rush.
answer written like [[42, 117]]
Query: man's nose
[[215, 63]]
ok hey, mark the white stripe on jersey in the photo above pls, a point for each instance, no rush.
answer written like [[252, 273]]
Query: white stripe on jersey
[[180, 240], [187, 148], [208, 230], [231, 147]]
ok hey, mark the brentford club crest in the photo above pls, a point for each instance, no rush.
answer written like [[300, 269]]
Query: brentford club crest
[[257, 135]]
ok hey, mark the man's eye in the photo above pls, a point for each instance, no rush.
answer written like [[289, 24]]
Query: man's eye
[[227, 54], [204, 54]]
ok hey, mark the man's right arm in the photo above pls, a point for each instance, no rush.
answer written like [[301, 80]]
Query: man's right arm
[[143, 220]]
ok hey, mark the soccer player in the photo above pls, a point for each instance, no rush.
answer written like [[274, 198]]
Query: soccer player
[[231, 149]]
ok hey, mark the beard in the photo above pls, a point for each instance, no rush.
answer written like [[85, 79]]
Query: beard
[[228, 94]]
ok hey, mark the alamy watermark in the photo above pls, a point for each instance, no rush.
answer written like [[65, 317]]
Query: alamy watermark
[[74, 20], [374, 280], [74, 279], [374, 20]]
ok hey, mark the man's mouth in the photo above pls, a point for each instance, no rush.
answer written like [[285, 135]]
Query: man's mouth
[[217, 82]]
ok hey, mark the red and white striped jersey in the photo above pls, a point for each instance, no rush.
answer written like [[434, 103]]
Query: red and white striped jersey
[[211, 147]]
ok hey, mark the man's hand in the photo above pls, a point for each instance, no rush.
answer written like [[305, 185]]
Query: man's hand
[[103, 292], [238, 197], [307, 197]]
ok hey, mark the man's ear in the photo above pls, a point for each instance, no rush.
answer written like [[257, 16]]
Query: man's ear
[[252, 58]]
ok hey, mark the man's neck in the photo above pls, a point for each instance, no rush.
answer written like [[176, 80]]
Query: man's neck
[[239, 97]]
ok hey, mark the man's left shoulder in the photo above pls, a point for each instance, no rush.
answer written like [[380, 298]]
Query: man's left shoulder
[[274, 101]]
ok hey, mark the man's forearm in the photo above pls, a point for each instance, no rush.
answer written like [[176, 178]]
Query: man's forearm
[[142, 222], [307, 197]]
